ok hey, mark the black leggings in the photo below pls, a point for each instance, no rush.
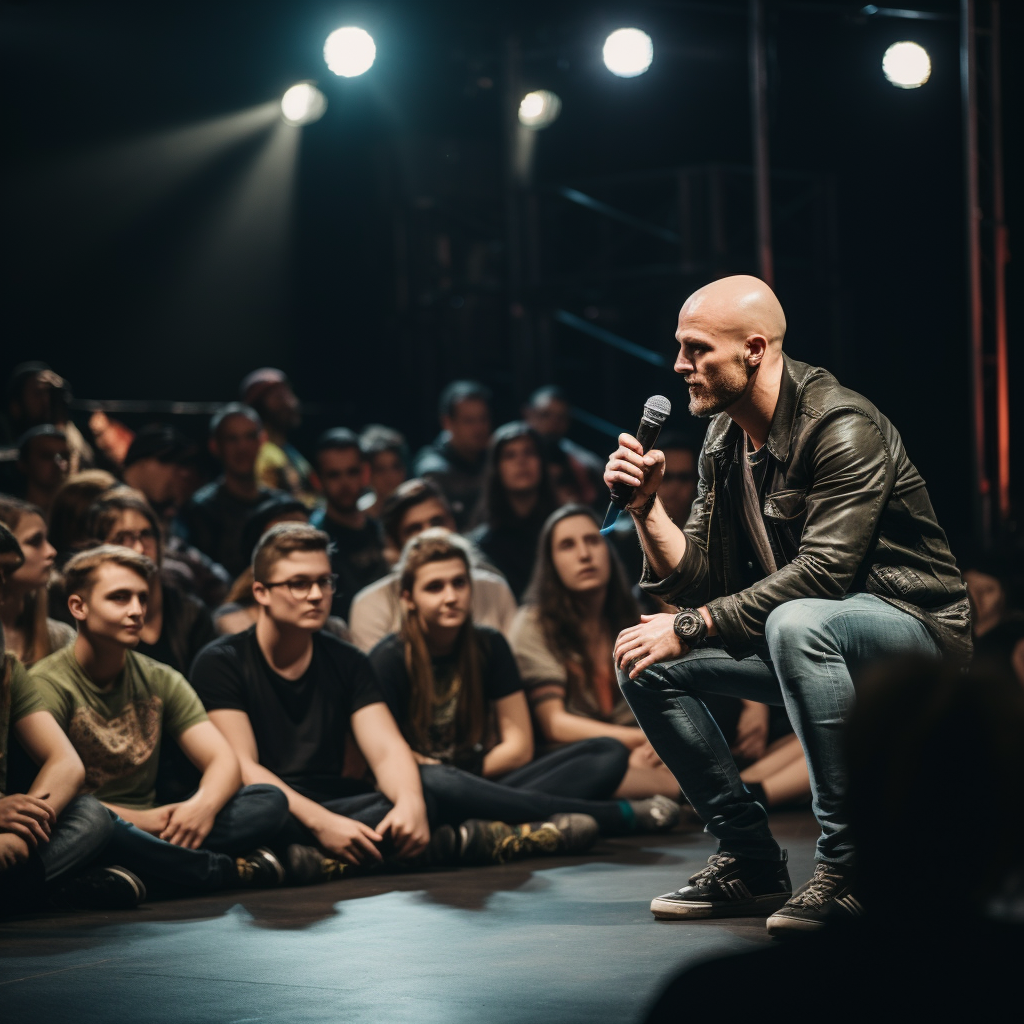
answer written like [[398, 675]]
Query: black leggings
[[577, 778]]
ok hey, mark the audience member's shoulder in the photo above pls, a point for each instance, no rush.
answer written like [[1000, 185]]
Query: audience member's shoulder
[[340, 651], [206, 494], [388, 582], [154, 672], [55, 667], [492, 640], [386, 648], [229, 646]]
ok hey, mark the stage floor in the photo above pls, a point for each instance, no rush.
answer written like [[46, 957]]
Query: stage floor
[[559, 940]]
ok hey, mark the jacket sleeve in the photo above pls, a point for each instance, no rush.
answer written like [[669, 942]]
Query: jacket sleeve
[[852, 474], [688, 584]]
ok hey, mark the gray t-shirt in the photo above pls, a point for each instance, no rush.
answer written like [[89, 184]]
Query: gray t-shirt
[[755, 469]]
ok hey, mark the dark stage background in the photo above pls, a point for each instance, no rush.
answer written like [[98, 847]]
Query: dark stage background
[[165, 233]]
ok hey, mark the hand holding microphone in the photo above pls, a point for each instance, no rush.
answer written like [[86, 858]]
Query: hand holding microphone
[[635, 468]]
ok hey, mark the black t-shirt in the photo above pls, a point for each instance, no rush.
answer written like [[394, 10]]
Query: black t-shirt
[[358, 558], [299, 725], [498, 672]]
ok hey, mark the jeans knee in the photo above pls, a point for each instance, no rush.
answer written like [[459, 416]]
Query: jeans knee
[[91, 816], [267, 800], [792, 621]]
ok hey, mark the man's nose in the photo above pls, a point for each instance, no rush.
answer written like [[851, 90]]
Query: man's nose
[[683, 364]]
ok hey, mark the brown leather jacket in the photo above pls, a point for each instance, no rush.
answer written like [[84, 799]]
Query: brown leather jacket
[[845, 510]]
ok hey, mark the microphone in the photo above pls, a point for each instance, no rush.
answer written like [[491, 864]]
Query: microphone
[[656, 411]]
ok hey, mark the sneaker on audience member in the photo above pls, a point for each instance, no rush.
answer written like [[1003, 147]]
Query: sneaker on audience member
[[110, 888], [728, 887], [259, 869], [655, 814], [494, 842], [306, 865], [827, 897]]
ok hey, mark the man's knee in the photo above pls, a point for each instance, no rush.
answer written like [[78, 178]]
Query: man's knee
[[794, 622], [609, 750], [267, 801], [87, 815]]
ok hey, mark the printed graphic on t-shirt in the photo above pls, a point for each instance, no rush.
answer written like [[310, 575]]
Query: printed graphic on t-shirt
[[111, 748]]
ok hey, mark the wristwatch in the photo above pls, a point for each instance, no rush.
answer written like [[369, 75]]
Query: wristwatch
[[690, 627]]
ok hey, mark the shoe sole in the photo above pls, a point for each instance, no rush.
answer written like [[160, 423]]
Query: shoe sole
[[670, 910], [782, 925], [133, 880]]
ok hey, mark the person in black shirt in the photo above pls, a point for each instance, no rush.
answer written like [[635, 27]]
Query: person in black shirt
[[286, 695], [357, 556], [456, 693], [214, 518], [517, 498]]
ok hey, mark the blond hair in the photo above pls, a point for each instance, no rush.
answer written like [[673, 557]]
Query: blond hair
[[81, 569]]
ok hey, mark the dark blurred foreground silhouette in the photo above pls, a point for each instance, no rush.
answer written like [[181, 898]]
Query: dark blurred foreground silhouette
[[936, 778]]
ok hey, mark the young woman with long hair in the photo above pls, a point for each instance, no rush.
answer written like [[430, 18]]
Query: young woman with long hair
[[517, 498], [577, 604], [29, 633], [456, 694]]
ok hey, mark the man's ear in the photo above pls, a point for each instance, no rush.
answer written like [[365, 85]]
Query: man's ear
[[756, 346], [78, 608], [214, 446]]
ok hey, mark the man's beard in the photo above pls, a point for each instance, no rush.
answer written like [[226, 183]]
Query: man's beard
[[717, 395]]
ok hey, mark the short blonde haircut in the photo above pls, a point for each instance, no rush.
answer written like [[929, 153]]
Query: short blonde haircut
[[81, 569]]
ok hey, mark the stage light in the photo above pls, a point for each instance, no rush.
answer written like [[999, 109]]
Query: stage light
[[628, 52], [539, 109], [349, 51], [907, 65], [303, 104]]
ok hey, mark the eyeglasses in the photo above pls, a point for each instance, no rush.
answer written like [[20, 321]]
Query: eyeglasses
[[300, 589], [129, 538]]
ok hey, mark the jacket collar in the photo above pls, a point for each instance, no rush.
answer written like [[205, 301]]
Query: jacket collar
[[723, 433]]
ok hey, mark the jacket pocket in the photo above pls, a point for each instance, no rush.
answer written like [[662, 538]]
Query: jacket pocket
[[896, 581], [785, 505]]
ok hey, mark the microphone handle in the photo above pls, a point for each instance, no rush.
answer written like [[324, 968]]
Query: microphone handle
[[647, 435]]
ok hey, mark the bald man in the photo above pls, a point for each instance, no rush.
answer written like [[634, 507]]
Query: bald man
[[812, 547]]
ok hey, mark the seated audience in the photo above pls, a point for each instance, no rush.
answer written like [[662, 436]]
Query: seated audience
[[286, 695], [43, 461], [376, 611], [36, 395], [29, 632], [215, 517], [923, 741], [176, 625], [48, 835], [280, 466], [455, 692], [68, 520], [577, 475], [357, 554], [455, 459], [517, 498], [387, 455], [118, 707]]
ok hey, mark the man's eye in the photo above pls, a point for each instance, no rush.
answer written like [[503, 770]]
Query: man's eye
[[434, 587]]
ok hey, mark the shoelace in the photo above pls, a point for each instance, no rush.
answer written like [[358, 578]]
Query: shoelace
[[822, 887], [709, 875]]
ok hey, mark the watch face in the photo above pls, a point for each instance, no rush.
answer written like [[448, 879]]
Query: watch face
[[689, 625]]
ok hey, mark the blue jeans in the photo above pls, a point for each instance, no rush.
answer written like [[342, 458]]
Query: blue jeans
[[82, 831], [251, 818], [811, 646]]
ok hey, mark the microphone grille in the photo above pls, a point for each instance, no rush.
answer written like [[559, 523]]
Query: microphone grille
[[657, 409]]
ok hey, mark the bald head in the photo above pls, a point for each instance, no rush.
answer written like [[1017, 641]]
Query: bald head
[[730, 345], [740, 307]]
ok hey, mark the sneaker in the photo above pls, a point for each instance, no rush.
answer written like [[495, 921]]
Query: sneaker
[[728, 887], [656, 814], [827, 897], [494, 842], [259, 869], [579, 832], [306, 865], [110, 888]]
